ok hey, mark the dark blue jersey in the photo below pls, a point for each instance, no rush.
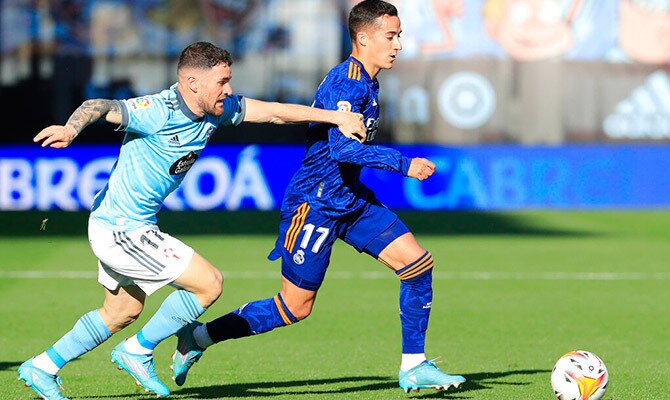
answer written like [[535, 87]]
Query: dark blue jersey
[[329, 178]]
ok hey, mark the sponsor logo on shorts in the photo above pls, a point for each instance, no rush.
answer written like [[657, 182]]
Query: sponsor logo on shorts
[[182, 165], [169, 253]]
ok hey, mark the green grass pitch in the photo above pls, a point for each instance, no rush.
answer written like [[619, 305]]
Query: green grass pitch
[[512, 293]]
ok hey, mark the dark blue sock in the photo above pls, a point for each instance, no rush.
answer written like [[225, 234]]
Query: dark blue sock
[[251, 319], [416, 297]]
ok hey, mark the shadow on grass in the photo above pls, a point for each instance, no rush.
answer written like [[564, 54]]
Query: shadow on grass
[[355, 385], [483, 381], [60, 223], [9, 365]]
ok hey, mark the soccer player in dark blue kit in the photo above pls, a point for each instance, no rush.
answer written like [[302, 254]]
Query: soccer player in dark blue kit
[[325, 201]]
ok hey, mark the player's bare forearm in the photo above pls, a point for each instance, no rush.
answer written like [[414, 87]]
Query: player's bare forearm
[[92, 110], [350, 124], [60, 136]]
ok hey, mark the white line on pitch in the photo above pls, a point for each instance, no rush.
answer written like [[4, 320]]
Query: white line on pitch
[[376, 275]]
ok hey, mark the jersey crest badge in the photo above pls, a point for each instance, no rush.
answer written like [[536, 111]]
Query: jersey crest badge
[[299, 257], [343, 106]]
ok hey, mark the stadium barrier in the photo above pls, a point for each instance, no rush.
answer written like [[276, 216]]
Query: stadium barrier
[[468, 178]]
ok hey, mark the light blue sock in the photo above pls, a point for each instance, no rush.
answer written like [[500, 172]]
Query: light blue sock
[[179, 309], [88, 333]]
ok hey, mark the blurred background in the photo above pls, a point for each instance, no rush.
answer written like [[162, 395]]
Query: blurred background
[[518, 100], [549, 123]]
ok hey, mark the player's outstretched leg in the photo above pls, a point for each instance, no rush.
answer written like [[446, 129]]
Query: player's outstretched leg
[[135, 355], [427, 375], [251, 319], [40, 372]]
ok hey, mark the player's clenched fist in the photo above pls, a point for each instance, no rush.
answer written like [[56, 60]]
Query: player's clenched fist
[[57, 136], [421, 168]]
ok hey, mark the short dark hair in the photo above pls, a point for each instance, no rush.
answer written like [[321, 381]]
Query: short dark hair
[[203, 55], [366, 13]]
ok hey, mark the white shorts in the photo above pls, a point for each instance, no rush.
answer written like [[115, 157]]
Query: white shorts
[[145, 257]]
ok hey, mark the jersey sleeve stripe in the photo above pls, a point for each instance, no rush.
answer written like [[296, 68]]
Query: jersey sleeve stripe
[[354, 71]]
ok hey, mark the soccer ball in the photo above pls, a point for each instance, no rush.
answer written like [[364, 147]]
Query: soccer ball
[[579, 375]]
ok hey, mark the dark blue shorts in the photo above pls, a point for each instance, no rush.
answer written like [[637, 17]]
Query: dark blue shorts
[[306, 239]]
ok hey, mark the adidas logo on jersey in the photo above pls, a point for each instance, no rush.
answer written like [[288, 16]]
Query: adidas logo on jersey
[[174, 140], [645, 113]]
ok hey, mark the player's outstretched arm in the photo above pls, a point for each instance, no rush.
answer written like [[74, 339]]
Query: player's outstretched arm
[[59, 136], [350, 124], [421, 169]]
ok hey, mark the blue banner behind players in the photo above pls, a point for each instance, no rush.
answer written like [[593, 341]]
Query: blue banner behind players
[[254, 177]]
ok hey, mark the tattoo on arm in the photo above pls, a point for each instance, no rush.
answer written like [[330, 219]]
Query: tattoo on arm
[[90, 111]]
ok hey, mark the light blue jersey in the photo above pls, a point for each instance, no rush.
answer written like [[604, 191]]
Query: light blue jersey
[[163, 140]]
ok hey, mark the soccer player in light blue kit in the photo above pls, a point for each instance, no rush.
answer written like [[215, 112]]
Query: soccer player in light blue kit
[[326, 200], [165, 134]]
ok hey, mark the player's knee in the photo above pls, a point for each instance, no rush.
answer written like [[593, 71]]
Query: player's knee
[[402, 252]]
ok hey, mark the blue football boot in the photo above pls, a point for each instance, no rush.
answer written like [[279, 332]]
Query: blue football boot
[[187, 353], [427, 375], [43, 383], [140, 367]]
